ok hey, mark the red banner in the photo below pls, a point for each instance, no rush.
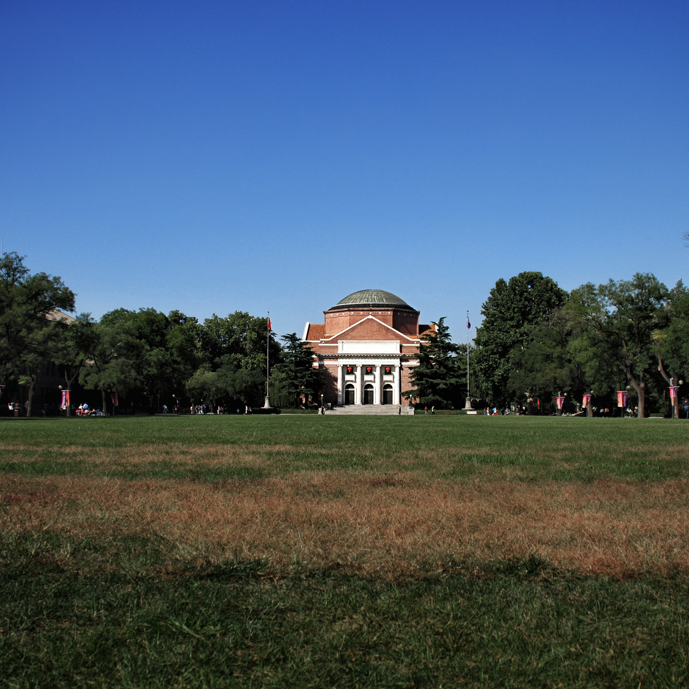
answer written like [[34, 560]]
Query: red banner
[[585, 401], [560, 401], [673, 394], [621, 398]]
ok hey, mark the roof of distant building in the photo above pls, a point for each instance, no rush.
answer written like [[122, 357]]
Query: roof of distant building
[[316, 331], [372, 297], [57, 315]]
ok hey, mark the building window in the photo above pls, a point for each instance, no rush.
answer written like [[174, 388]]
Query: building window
[[387, 394]]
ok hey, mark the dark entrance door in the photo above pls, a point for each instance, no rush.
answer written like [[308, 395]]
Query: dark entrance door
[[387, 394], [349, 394], [368, 394]]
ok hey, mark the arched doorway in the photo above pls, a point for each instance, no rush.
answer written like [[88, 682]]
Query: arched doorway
[[349, 394], [368, 394], [387, 394]]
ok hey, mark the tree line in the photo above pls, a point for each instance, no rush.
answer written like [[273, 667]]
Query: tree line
[[537, 343], [143, 354]]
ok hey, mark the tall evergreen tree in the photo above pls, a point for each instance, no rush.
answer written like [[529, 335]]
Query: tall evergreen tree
[[441, 374], [297, 375]]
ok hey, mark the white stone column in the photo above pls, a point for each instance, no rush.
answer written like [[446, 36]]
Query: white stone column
[[377, 383], [359, 387], [397, 385], [340, 386]]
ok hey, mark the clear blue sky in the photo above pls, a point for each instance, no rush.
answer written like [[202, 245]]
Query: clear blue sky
[[221, 156]]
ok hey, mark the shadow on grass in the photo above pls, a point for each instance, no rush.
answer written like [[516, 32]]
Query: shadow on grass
[[116, 614]]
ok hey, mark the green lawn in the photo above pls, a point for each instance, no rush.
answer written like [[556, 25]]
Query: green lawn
[[457, 447], [87, 600]]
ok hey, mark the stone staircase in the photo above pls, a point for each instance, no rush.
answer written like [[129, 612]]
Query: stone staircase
[[372, 410]]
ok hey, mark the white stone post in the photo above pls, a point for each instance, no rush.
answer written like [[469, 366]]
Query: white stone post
[[340, 386], [377, 397], [359, 387]]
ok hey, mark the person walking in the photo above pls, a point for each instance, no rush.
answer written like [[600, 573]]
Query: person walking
[[425, 411], [433, 410], [686, 408]]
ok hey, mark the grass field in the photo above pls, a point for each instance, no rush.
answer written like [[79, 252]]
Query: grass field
[[318, 551]]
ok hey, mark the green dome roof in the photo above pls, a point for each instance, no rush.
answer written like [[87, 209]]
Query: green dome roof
[[377, 297]]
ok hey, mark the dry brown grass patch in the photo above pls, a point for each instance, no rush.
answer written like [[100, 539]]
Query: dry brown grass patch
[[391, 524]]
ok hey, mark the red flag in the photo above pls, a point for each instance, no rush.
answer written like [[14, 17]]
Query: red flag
[[269, 326]]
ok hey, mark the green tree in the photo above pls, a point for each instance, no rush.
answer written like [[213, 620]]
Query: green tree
[[630, 314], [297, 375], [74, 343], [204, 386], [238, 339], [235, 347], [243, 384], [672, 340], [589, 354], [440, 376], [543, 365], [30, 323], [143, 352], [510, 314]]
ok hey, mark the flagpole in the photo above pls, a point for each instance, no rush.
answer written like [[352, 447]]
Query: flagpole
[[266, 404], [467, 403]]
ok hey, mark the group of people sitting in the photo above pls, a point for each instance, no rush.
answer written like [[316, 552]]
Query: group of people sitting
[[84, 410]]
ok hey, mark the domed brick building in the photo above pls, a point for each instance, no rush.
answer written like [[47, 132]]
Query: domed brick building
[[368, 344]]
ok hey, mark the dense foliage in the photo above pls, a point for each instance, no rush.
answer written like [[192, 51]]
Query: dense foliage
[[511, 314], [537, 342], [29, 336], [626, 335], [439, 377], [146, 357]]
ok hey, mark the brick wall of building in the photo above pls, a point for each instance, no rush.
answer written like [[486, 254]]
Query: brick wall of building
[[403, 320]]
